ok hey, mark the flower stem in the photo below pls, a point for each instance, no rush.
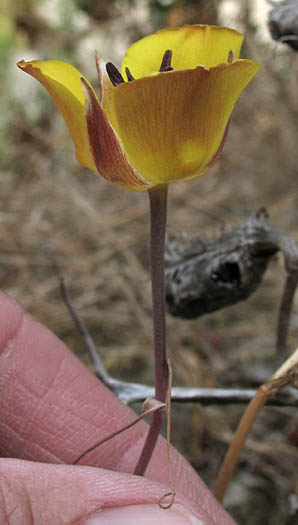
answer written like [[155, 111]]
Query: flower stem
[[158, 209]]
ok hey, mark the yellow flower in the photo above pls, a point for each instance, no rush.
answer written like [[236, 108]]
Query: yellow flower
[[164, 117]]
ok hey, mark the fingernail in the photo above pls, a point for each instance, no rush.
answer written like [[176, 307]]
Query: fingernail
[[145, 514]]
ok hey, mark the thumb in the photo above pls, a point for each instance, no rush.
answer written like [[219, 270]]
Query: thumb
[[64, 494]]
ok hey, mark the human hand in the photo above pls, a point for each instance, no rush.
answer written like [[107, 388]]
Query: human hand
[[52, 409]]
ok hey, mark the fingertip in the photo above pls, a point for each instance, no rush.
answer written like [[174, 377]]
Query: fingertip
[[87, 496], [176, 515]]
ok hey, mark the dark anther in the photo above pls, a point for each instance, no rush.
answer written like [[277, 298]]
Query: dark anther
[[231, 56], [166, 61], [114, 75], [128, 74]]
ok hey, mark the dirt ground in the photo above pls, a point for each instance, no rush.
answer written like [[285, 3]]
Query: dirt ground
[[58, 219]]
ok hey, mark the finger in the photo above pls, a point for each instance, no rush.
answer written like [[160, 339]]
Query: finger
[[53, 408], [47, 494]]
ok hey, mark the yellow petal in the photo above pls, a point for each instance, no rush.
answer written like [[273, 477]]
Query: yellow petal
[[191, 46], [108, 156], [172, 124], [63, 82]]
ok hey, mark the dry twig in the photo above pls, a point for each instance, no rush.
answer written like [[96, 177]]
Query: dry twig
[[285, 374]]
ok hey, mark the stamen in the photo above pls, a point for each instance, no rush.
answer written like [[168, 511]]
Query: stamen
[[129, 75], [231, 56], [166, 61], [114, 75]]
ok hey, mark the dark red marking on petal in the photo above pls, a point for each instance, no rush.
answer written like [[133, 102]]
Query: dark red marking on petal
[[220, 147], [109, 158], [115, 76]]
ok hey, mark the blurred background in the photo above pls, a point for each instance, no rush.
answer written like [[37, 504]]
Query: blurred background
[[56, 218]]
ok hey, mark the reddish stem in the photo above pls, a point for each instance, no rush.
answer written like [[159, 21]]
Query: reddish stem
[[158, 209]]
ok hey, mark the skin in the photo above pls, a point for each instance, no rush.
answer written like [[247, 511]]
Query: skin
[[52, 409]]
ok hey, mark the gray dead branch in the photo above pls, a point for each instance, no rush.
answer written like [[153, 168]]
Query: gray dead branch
[[283, 22], [204, 276]]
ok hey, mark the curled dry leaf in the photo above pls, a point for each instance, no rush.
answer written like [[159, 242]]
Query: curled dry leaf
[[151, 405]]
